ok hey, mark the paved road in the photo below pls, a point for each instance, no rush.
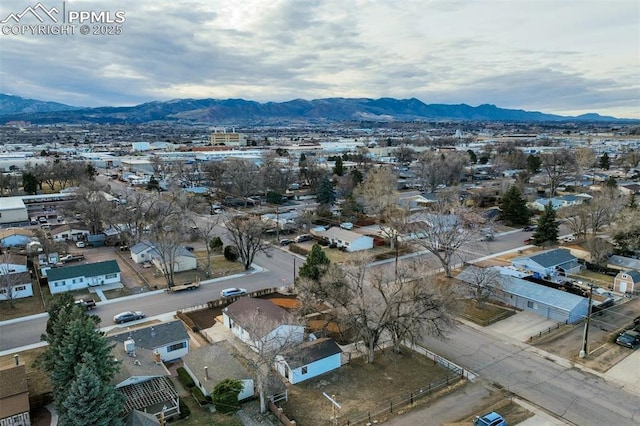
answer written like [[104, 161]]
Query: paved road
[[576, 396]]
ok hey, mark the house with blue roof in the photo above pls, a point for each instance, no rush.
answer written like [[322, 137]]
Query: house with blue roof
[[560, 201], [549, 264]]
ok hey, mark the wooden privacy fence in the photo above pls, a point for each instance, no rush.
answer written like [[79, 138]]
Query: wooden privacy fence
[[277, 411]]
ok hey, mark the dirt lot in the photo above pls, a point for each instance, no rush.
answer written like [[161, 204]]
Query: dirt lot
[[361, 388], [603, 353]]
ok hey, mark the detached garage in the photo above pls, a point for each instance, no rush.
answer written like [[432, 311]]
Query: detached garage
[[544, 301]]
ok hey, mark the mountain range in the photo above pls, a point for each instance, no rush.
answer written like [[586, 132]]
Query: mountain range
[[240, 111]]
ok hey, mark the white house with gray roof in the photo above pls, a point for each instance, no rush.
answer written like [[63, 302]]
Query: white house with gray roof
[[349, 240], [169, 340], [549, 264]]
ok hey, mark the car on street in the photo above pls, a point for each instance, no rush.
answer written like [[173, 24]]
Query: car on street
[[233, 291], [81, 244], [629, 339], [529, 228], [346, 225], [302, 238], [490, 419], [528, 241], [128, 316], [286, 242]]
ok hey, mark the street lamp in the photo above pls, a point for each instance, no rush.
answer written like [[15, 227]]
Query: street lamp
[[585, 335]]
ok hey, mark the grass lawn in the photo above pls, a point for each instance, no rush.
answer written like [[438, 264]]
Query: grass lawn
[[360, 387], [601, 280], [26, 306]]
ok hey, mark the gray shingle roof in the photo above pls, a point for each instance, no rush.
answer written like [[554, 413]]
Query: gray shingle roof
[[312, 351], [141, 246], [247, 307], [156, 335], [552, 258], [541, 294], [222, 364], [85, 270]]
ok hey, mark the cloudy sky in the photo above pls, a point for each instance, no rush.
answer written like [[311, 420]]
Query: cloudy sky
[[565, 57]]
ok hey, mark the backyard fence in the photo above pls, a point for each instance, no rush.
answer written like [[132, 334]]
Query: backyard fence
[[398, 403], [549, 330]]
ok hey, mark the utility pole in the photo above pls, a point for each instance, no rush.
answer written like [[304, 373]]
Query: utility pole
[[583, 351]]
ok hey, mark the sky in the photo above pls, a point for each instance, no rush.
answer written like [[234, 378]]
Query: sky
[[564, 57]]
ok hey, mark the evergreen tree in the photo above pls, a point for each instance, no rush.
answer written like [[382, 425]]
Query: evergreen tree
[[30, 183], [604, 162], [533, 163], [225, 395], [324, 194], [338, 168], [611, 182], [514, 207], [356, 177], [91, 401], [315, 265], [473, 158], [547, 230], [81, 339]]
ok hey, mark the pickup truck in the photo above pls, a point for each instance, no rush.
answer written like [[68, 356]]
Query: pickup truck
[[87, 304], [71, 258], [185, 286]]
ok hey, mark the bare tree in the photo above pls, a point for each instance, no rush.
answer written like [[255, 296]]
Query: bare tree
[[268, 338], [481, 284], [207, 233], [276, 172], [92, 206], [404, 155], [378, 191], [248, 235], [558, 165], [585, 160], [10, 279], [445, 230], [243, 178], [598, 249]]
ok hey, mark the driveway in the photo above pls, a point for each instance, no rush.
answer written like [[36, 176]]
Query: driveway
[[522, 326], [627, 371]]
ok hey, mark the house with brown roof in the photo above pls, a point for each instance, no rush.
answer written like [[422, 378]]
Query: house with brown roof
[[14, 396], [262, 325]]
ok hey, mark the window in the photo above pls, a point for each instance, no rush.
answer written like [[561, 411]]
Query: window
[[109, 276], [176, 346], [304, 370], [20, 288], [3, 290], [532, 305]]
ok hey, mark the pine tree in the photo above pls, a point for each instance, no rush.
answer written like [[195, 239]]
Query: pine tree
[[324, 194], [338, 168], [315, 265], [514, 207], [547, 230], [225, 395], [91, 401], [605, 162]]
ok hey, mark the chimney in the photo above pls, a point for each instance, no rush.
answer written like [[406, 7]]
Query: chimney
[[206, 372], [156, 357], [16, 358]]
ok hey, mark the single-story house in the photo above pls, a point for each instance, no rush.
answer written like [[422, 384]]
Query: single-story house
[[284, 220], [549, 264], [547, 302], [309, 360], [168, 339], [14, 396], [144, 381], [627, 281], [69, 232], [560, 201], [142, 252], [12, 264], [15, 237], [75, 277], [209, 365], [343, 238], [415, 202], [19, 283], [623, 263], [183, 260], [262, 325]]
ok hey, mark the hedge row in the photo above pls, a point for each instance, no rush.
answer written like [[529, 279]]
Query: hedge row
[[199, 396], [185, 378], [299, 250], [185, 411]]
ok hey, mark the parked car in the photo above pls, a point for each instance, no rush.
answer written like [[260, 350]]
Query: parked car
[[286, 242], [490, 419], [346, 225], [81, 244], [302, 238], [128, 316], [528, 241], [530, 228], [629, 339], [230, 292]]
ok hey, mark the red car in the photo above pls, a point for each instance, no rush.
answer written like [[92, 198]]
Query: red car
[[528, 241]]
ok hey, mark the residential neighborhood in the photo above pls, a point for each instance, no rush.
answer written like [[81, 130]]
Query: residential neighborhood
[[286, 267]]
